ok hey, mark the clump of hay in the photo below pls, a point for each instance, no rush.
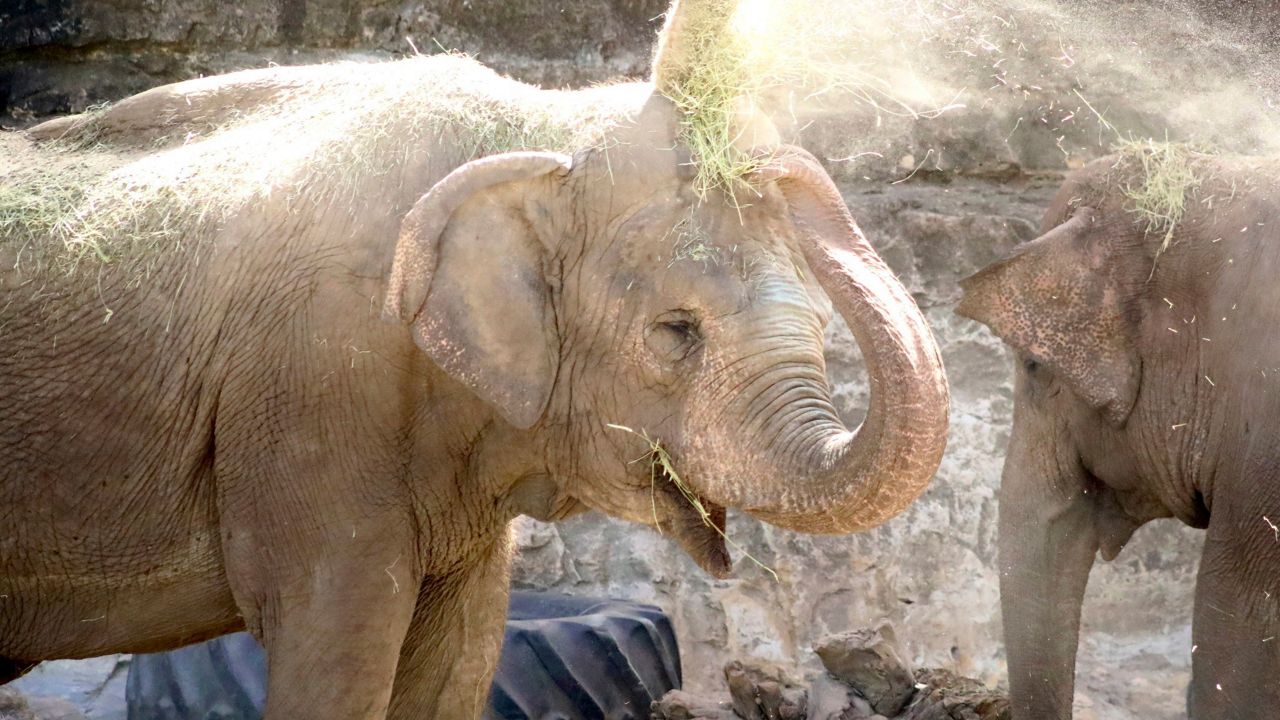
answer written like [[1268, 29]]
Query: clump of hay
[[713, 80], [692, 244], [335, 140], [733, 61], [661, 466], [1165, 177]]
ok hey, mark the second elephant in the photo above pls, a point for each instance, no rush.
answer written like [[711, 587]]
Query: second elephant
[[1148, 386]]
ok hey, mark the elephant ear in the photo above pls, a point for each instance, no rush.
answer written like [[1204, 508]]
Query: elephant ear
[[468, 278], [1062, 300]]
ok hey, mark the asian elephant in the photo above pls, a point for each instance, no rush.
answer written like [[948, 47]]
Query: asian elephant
[[1148, 363], [206, 423]]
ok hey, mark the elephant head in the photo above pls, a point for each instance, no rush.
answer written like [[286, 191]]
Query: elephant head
[[603, 292]]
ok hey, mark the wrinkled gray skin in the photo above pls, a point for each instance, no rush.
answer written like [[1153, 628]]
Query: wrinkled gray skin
[[247, 443], [1148, 386]]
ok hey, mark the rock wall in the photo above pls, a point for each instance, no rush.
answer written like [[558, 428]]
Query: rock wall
[[939, 198], [59, 56]]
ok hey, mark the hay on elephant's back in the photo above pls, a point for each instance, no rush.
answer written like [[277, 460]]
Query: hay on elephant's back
[[331, 135]]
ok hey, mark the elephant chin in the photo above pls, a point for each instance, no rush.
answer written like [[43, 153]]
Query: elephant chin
[[703, 538]]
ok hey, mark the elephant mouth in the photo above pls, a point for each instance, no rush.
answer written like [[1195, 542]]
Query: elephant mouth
[[694, 522]]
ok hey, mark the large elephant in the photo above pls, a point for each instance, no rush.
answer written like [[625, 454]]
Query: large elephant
[[207, 425], [1148, 362]]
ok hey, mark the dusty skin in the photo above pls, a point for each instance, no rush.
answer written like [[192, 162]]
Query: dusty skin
[[1145, 389], [310, 405]]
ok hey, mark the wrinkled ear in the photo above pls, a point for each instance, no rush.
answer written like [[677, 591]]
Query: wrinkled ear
[[1061, 299], [468, 278]]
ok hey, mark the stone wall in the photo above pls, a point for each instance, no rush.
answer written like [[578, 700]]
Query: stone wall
[[59, 56], [939, 198]]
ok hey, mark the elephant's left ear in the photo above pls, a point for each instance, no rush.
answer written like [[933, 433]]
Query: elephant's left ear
[[469, 278], [1062, 299]]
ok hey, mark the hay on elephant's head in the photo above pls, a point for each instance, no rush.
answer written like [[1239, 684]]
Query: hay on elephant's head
[[1160, 178], [726, 64], [332, 137]]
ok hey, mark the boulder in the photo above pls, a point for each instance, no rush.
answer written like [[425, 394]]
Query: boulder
[[16, 706], [52, 708], [761, 693], [681, 705], [13, 705], [943, 695], [869, 662]]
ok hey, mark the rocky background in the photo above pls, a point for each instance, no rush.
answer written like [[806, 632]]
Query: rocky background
[[1039, 87]]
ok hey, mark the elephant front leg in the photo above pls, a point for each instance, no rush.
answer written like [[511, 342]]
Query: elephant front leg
[[1236, 631], [330, 601], [333, 638], [453, 644]]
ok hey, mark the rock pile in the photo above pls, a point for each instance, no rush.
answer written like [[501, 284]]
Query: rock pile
[[866, 679], [16, 706]]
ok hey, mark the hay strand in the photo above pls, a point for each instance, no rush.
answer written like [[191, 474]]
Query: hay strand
[[660, 464]]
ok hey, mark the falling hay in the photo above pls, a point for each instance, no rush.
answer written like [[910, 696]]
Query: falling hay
[[736, 69]]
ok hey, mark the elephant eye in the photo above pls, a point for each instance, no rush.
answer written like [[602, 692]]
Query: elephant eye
[[674, 335], [1033, 367], [683, 328]]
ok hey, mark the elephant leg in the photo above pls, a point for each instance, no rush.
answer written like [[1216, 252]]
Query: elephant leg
[[453, 644], [11, 669], [332, 652], [1236, 626], [327, 584], [320, 543]]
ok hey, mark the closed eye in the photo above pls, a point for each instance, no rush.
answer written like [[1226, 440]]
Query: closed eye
[[674, 335], [681, 327]]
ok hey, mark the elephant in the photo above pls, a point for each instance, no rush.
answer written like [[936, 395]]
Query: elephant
[[308, 339], [1146, 353]]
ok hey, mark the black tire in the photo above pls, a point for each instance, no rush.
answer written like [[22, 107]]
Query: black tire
[[567, 658], [222, 679], [563, 658]]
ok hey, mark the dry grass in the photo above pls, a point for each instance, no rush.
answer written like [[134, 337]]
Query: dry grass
[[661, 466], [327, 144], [747, 58], [1164, 178], [708, 90], [693, 244]]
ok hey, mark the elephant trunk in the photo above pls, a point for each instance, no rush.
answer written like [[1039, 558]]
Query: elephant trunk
[[1048, 541], [830, 479]]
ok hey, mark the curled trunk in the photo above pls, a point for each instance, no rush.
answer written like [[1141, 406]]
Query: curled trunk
[[833, 480]]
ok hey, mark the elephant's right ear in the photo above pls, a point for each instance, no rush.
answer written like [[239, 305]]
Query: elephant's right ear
[[1062, 299], [468, 277]]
